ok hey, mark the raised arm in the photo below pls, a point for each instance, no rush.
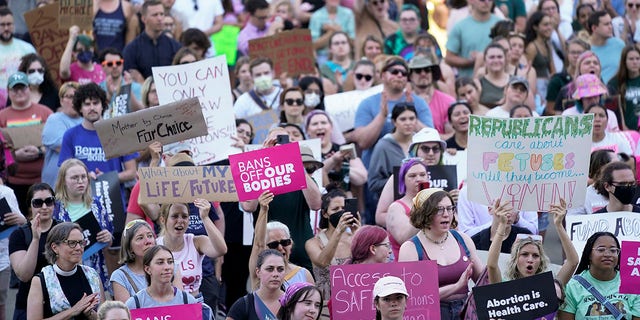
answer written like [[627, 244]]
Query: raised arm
[[213, 244], [320, 256], [571, 263], [259, 235], [500, 212]]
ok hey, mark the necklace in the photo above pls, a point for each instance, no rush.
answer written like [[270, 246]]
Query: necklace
[[438, 242]]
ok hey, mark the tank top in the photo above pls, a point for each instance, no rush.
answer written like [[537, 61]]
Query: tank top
[[541, 64], [395, 246], [451, 273], [109, 29], [491, 94], [190, 263]]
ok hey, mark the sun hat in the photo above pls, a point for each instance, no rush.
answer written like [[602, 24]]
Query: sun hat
[[426, 135], [589, 85]]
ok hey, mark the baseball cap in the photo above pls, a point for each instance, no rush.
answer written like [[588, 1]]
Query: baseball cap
[[519, 80], [18, 78], [389, 285]]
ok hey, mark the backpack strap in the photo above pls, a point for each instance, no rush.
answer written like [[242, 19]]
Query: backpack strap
[[461, 242], [419, 248], [596, 294], [135, 298], [184, 298], [257, 100]]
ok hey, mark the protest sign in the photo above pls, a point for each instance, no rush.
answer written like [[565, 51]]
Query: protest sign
[[526, 298], [530, 162], [75, 12], [169, 123], [107, 189], [209, 80], [343, 106], [291, 51], [19, 137], [181, 311], [120, 103], [630, 267], [90, 229], [5, 229], [49, 39], [440, 176], [184, 184], [624, 225], [352, 287], [262, 123], [278, 169]]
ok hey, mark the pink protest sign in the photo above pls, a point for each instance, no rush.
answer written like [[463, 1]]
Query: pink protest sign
[[278, 169], [182, 311], [630, 267], [352, 287]]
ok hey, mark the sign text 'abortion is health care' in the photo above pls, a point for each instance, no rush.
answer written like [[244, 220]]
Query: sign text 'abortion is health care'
[[530, 162], [208, 80], [278, 169]]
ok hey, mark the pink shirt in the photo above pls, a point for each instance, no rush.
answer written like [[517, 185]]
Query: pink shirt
[[439, 105], [83, 76]]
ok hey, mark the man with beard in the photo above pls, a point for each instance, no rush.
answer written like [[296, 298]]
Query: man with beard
[[82, 142], [11, 51], [423, 74]]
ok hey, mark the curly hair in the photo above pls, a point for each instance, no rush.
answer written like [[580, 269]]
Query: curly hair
[[89, 91]]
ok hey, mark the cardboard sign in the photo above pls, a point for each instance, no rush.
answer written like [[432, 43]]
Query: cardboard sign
[[291, 51], [624, 225], [169, 123], [343, 106], [527, 298], [262, 123], [75, 12], [107, 188], [441, 176], [209, 80], [24, 136], [630, 267], [181, 311], [90, 229], [530, 162], [184, 184], [119, 104], [352, 287], [278, 169], [47, 37]]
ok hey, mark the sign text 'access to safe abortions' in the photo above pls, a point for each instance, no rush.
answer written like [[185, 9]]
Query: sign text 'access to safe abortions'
[[530, 162], [277, 169]]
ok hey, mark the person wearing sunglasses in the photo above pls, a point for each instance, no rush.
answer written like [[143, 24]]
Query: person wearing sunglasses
[[292, 108], [364, 75], [66, 288], [115, 83], [626, 26], [43, 89]]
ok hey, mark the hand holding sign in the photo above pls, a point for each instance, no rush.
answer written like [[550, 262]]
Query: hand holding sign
[[558, 212], [203, 207]]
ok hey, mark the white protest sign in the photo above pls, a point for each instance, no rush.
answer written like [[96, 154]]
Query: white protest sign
[[530, 162], [209, 80], [343, 106], [623, 224]]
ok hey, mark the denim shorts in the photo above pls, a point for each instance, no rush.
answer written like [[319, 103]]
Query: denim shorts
[[450, 310]]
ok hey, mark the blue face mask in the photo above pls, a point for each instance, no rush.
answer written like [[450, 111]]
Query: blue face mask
[[85, 56]]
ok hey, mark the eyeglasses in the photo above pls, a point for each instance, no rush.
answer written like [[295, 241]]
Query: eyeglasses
[[396, 72], [68, 96], [79, 178], [6, 24], [386, 244], [367, 77], [112, 63], [421, 70], [603, 251], [37, 203], [449, 209], [427, 149], [74, 243], [294, 102], [631, 5], [623, 183], [375, 3], [38, 70], [275, 244]]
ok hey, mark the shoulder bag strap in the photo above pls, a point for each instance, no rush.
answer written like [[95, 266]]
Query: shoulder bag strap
[[461, 242], [126, 274], [596, 294], [419, 248]]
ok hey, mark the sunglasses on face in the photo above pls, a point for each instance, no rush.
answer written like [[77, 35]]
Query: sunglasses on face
[[422, 70], [38, 70], [37, 203], [631, 5], [427, 149], [366, 77], [292, 102], [112, 63], [274, 244], [396, 72]]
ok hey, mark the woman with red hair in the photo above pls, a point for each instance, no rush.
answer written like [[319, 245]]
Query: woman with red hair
[[370, 245]]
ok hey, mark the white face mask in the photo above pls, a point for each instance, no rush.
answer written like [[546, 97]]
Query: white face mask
[[263, 83], [35, 78], [311, 100]]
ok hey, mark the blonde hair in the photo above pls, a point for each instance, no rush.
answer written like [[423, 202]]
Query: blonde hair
[[512, 272], [62, 194], [164, 214], [110, 305]]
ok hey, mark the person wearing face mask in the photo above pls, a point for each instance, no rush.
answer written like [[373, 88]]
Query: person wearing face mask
[[617, 183], [42, 87], [264, 95], [84, 69]]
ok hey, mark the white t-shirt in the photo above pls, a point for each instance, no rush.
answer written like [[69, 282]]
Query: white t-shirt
[[202, 18], [500, 112], [245, 106], [613, 139]]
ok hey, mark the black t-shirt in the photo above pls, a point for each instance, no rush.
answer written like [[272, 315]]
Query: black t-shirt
[[482, 239], [452, 144], [18, 242], [73, 286], [636, 208], [243, 309]]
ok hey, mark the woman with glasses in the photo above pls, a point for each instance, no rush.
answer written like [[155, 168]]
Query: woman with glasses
[[54, 129], [370, 245], [42, 87], [66, 289], [434, 216], [275, 236], [137, 238], [26, 244], [617, 183], [292, 108], [332, 244], [74, 201], [599, 266]]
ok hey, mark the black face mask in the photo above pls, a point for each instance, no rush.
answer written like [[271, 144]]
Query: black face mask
[[334, 219], [625, 194]]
